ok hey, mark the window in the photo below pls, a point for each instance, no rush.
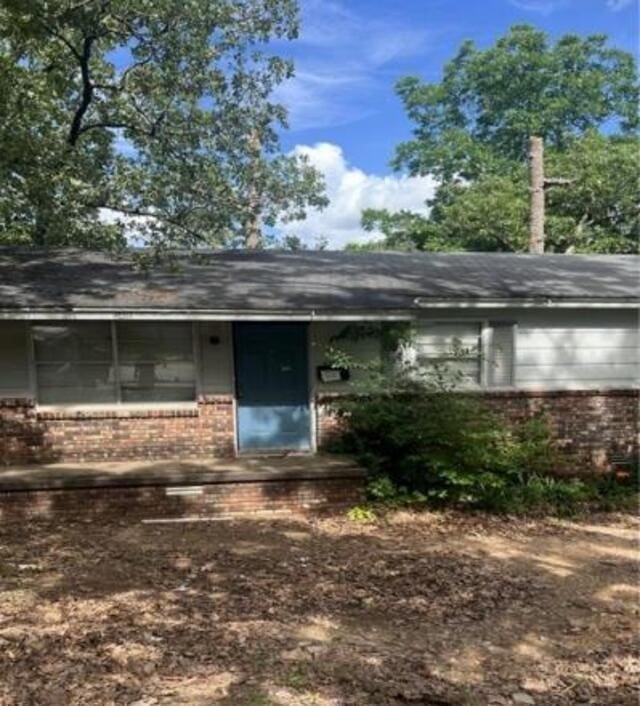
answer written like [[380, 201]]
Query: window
[[155, 362], [74, 363], [500, 368], [483, 354], [457, 345], [101, 362]]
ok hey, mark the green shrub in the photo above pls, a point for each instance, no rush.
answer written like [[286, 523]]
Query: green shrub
[[426, 440], [441, 447]]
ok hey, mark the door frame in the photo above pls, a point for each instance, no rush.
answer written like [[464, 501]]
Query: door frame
[[310, 390]]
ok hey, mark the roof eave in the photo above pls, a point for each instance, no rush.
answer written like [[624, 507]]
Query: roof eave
[[527, 303], [420, 304]]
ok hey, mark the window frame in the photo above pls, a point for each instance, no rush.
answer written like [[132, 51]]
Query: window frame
[[118, 404], [483, 338], [486, 341], [513, 325]]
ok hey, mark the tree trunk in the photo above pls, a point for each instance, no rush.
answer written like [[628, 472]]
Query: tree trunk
[[253, 230], [253, 234], [536, 220]]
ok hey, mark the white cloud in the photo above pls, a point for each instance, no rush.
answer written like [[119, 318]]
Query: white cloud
[[350, 191], [320, 98], [542, 7], [617, 5], [341, 59]]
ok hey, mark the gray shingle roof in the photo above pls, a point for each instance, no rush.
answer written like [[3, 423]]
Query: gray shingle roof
[[307, 280]]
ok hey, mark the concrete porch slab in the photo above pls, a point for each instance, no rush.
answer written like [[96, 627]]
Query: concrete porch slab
[[118, 474]]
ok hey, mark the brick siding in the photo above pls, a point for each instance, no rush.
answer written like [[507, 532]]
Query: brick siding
[[589, 427], [29, 435], [222, 500]]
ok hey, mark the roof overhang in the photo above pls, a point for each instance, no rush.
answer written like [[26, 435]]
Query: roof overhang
[[420, 305], [526, 303], [78, 314]]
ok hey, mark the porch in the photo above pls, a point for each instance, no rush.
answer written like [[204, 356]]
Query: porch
[[168, 490]]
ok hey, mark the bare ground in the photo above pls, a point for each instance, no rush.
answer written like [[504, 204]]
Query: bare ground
[[425, 609]]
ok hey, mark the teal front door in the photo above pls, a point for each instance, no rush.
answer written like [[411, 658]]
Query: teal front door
[[272, 386]]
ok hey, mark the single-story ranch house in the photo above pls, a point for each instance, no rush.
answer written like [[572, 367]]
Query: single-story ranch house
[[225, 355]]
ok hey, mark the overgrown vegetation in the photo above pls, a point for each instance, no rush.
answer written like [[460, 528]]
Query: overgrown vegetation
[[426, 440]]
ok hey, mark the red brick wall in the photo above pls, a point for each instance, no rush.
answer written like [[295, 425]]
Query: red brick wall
[[268, 498], [28, 435], [588, 426]]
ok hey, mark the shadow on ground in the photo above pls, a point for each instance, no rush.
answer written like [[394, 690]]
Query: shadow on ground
[[433, 609]]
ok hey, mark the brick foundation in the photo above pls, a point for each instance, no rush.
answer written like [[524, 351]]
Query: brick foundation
[[590, 427], [28, 435], [222, 500]]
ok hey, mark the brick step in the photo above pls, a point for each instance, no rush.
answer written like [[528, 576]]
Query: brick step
[[220, 500]]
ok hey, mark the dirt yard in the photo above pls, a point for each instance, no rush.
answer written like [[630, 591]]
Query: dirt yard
[[433, 609]]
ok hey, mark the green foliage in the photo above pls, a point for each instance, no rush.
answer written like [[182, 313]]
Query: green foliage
[[427, 440], [566, 496], [471, 131], [446, 448], [490, 101], [361, 513], [154, 110], [442, 447]]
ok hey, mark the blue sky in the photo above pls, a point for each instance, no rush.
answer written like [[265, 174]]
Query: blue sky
[[343, 110], [350, 54], [344, 114]]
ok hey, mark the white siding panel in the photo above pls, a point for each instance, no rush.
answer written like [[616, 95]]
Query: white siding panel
[[14, 360], [559, 355], [581, 338], [567, 356]]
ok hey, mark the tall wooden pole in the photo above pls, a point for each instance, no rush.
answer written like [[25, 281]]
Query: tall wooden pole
[[253, 229], [536, 218]]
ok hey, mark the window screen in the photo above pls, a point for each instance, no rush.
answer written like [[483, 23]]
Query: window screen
[[74, 363], [156, 362], [500, 367], [455, 344]]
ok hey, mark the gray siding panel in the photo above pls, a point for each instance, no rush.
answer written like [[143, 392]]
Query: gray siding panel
[[216, 358]]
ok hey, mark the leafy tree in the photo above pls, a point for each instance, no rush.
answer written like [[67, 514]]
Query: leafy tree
[[471, 131], [149, 109]]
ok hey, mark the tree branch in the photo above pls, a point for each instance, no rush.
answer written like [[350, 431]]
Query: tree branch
[[140, 213], [87, 90], [115, 125], [54, 33]]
